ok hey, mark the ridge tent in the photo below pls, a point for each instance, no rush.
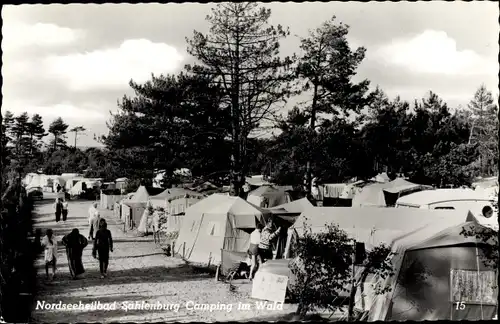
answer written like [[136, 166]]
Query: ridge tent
[[381, 178], [175, 201], [109, 197], [437, 270], [284, 216], [385, 194], [269, 196], [34, 180], [76, 189], [133, 208], [373, 226], [217, 222], [161, 199]]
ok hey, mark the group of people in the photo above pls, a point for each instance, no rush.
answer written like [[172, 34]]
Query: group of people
[[260, 249], [150, 219], [61, 209], [75, 243]]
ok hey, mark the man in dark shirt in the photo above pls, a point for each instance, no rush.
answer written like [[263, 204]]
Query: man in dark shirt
[[103, 244]]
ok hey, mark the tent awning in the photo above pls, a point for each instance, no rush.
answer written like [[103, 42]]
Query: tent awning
[[406, 188]]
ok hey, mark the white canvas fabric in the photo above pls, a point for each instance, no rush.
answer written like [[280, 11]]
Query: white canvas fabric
[[217, 222]]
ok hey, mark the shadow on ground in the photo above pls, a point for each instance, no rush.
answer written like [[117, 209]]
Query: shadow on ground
[[292, 317], [130, 276]]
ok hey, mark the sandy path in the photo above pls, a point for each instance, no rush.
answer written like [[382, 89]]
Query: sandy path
[[138, 272]]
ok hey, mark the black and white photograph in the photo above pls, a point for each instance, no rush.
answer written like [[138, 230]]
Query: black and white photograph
[[249, 161]]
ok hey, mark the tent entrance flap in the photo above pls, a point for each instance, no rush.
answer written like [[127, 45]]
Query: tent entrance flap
[[196, 237]]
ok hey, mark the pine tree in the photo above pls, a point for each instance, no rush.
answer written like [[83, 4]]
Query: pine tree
[[76, 130], [241, 52], [36, 132], [20, 132], [326, 68], [58, 129], [484, 129]]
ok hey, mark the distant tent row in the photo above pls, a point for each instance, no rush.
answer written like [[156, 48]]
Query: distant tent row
[[385, 194]]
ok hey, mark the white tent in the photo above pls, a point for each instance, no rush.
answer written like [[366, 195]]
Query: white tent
[[215, 223], [436, 268], [77, 189]]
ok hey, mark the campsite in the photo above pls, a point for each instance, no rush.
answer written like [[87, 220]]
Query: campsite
[[204, 239]]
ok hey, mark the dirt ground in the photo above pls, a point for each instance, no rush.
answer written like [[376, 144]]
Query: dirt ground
[[139, 274]]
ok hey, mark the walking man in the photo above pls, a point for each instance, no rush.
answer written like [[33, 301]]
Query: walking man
[[103, 244], [58, 209]]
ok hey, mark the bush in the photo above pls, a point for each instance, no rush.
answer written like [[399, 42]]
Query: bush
[[16, 254], [323, 268]]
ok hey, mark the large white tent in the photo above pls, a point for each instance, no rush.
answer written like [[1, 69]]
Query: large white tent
[[215, 223]]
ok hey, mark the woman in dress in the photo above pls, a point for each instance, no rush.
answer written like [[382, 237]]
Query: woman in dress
[[75, 243], [103, 244], [49, 243], [146, 219]]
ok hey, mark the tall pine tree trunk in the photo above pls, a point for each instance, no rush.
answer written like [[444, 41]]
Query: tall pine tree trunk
[[313, 127], [235, 118]]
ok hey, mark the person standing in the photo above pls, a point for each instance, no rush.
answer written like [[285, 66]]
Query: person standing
[[266, 237], [75, 243], [253, 250], [156, 226], [64, 210], [103, 244], [49, 243], [146, 219], [94, 218], [58, 209]]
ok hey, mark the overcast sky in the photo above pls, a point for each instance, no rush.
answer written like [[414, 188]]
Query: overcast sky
[[75, 61]]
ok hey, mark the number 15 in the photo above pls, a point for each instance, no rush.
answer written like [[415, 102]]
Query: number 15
[[459, 305]]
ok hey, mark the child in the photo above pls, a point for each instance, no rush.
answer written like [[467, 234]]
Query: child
[[49, 243]]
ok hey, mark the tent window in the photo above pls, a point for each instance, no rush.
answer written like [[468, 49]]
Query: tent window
[[473, 287], [444, 207]]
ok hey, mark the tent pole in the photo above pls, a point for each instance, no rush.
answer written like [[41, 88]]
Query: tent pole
[[353, 286], [479, 282]]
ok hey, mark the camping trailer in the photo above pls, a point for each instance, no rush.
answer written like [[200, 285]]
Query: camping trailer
[[445, 199]]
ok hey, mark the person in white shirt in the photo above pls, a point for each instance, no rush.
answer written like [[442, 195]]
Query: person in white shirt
[[94, 218], [49, 243], [253, 250], [64, 210]]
